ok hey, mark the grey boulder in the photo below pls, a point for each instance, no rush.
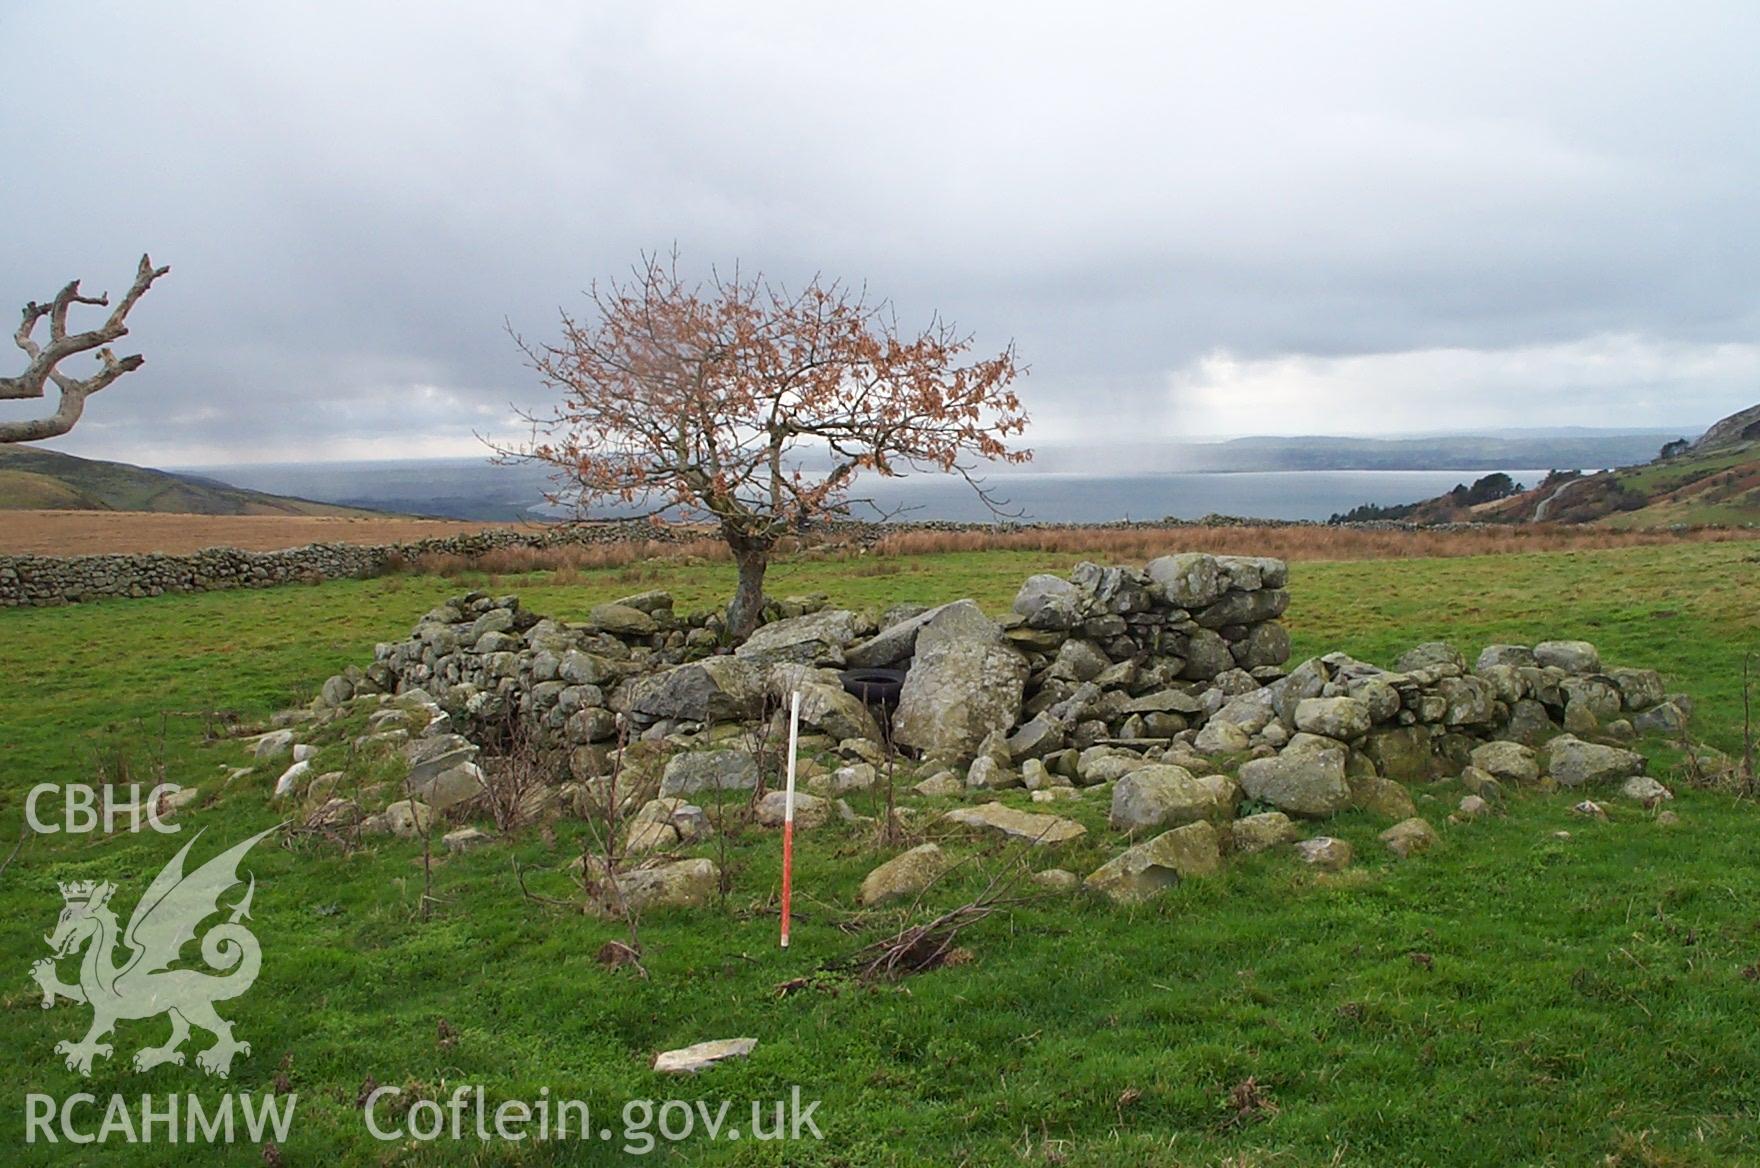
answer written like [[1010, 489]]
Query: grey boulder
[[1151, 867], [1162, 795], [709, 770], [818, 638], [1307, 781], [964, 685], [1575, 763]]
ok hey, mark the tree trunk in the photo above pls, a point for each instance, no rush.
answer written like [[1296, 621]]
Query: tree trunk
[[747, 606]]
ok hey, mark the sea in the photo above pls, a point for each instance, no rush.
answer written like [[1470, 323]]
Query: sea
[[1100, 498], [475, 490]]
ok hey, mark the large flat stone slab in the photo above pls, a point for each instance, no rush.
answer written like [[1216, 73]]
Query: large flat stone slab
[[1000, 819]]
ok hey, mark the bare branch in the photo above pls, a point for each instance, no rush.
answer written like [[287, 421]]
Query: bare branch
[[45, 359]]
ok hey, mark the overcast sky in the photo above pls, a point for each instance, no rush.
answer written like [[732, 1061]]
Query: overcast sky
[[1194, 219]]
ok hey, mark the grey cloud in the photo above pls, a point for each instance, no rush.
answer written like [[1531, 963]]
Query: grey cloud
[[354, 197]]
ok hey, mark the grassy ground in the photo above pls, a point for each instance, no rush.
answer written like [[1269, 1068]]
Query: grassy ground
[[1513, 998], [1720, 487]]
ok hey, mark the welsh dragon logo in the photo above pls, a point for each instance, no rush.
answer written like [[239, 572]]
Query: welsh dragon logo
[[140, 982]]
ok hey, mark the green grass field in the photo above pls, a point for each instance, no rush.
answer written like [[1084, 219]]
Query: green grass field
[[1510, 998]]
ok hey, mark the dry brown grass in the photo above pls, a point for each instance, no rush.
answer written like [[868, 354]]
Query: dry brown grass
[[68, 533], [1290, 543], [80, 533], [566, 560]]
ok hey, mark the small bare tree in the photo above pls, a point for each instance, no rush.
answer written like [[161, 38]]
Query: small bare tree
[[755, 408], [44, 359]]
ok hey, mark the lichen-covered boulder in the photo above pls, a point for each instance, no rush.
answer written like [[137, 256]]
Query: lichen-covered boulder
[[1341, 718], [988, 774], [578, 667], [1639, 689], [682, 884], [1243, 608], [1528, 723], [1408, 837], [1575, 763], [1571, 656], [1036, 738], [1188, 580], [836, 712], [964, 685], [1251, 711], [622, 620], [1148, 868], [1305, 780], [1646, 790], [1266, 645], [1048, 602], [1103, 764], [1005, 821], [895, 642], [905, 875], [1252, 572], [709, 770], [1663, 718], [1256, 833], [715, 689], [1511, 762], [818, 638], [1514, 656], [1432, 655], [451, 788], [940, 785], [1468, 701], [650, 830], [429, 757], [1598, 696], [1079, 660], [1162, 795], [1382, 798], [590, 724], [810, 811], [1220, 738], [1325, 852], [1206, 654]]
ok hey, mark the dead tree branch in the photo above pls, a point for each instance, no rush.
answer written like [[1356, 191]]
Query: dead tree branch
[[46, 358]]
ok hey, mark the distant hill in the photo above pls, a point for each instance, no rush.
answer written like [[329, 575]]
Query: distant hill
[[1464, 452], [476, 489], [457, 488], [1742, 426], [1712, 482], [32, 479]]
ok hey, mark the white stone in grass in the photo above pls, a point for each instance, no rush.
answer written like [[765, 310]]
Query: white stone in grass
[[289, 780], [691, 1059]]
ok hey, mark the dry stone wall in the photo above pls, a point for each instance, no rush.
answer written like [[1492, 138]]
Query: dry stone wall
[[34, 580], [30, 580], [1164, 692]]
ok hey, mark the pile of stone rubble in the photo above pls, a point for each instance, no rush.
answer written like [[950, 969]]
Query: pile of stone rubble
[[1166, 687]]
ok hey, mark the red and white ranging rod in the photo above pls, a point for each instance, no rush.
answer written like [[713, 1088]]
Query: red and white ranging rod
[[794, 728]]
